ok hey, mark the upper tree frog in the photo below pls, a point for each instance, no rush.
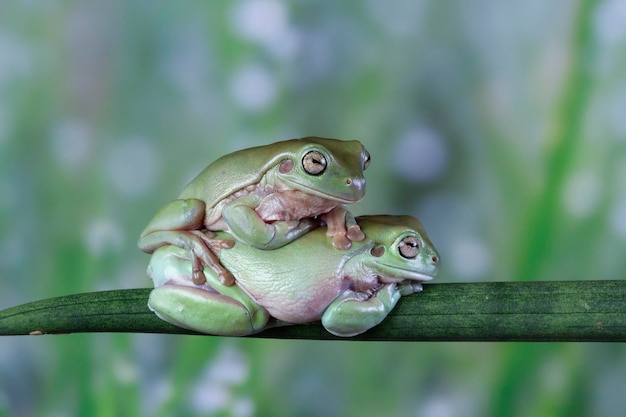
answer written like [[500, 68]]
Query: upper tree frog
[[266, 197], [350, 290]]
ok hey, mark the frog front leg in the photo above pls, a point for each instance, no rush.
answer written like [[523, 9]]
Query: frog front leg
[[211, 308], [353, 313], [176, 224], [247, 226], [409, 287]]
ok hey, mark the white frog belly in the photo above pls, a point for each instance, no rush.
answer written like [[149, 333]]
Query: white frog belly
[[295, 299]]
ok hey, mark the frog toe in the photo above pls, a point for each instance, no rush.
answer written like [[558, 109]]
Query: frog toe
[[355, 234], [341, 241]]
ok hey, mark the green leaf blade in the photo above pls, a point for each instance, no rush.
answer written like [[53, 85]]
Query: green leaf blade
[[495, 311]]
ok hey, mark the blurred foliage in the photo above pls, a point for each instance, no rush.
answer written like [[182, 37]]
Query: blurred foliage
[[500, 124]]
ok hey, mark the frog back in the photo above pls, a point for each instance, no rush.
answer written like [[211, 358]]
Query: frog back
[[237, 170]]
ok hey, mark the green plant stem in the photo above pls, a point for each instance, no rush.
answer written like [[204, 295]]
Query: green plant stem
[[562, 145], [494, 311]]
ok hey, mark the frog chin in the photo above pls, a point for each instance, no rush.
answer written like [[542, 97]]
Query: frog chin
[[393, 274]]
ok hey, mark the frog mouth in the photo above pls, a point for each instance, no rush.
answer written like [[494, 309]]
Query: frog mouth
[[318, 193], [393, 274]]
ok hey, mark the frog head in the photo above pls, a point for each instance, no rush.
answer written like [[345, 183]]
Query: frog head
[[327, 168], [401, 249]]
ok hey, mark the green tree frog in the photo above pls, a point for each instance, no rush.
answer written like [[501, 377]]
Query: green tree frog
[[350, 290], [266, 197]]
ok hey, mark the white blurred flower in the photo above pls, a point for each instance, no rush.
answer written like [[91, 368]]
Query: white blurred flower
[[71, 143], [437, 407], [610, 21], [616, 119], [4, 124], [131, 166], [265, 22], [618, 217], [209, 397], [260, 20], [242, 407], [581, 193], [157, 393], [15, 58], [420, 155], [103, 234], [213, 392], [125, 370], [397, 18], [469, 257], [253, 88], [230, 367]]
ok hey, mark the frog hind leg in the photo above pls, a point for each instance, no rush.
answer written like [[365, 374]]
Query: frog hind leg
[[205, 312], [203, 250], [212, 307]]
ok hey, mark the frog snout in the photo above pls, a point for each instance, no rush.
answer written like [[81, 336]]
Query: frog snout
[[433, 260], [357, 183]]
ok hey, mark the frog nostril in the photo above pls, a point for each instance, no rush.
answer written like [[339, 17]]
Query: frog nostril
[[355, 183]]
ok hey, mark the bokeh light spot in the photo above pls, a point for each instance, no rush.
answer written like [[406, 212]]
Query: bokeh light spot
[[131, 166], [581, 193], [263, 21], [253, 88], [102, 235], [420, 156], [266, 23], [72, 143], [469, 258], [610, 21]]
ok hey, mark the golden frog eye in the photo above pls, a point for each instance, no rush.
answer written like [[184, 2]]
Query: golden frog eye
[[408, 247], [366, 160], [314, 162]]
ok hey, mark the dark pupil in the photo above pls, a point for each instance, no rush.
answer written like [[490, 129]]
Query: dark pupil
[[314, 163], [409, 247]]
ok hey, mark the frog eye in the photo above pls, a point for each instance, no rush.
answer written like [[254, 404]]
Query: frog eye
[[366, 160], [314, 162], [408, 247]]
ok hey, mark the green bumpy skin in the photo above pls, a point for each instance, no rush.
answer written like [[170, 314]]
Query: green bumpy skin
[[350, 290], [266, 197]]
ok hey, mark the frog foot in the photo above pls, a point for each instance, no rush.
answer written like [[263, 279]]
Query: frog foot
[[341, 241], [211, 259], [343, 228], [197, 272], [409, 287], [225, 277], [355, 234]]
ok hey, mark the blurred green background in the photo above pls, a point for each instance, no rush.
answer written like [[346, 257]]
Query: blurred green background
[[501, 124]]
